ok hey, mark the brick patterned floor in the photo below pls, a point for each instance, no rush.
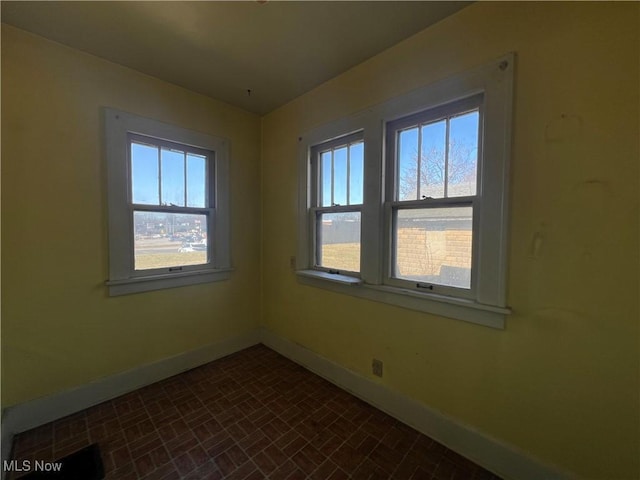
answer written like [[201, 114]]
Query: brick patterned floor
[[251, 415]]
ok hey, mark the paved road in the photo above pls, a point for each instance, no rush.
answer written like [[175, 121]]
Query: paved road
[[156, 245]]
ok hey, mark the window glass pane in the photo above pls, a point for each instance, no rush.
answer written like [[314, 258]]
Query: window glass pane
[[339, 241], [163, 240], [432, 163], [433, 245], [172, 175], [356, 168], [408, 164], [144, 174], [196, 180], [463, 155], [340, 176], [325, 166]]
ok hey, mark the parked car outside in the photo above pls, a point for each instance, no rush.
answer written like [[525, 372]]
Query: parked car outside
[[193, 247]]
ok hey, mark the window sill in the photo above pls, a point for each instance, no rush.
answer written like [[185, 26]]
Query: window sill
[[451, 307], [159, 282], [330, 277]]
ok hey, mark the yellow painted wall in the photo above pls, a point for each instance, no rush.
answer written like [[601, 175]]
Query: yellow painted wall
[[59, 327], [561, 382]]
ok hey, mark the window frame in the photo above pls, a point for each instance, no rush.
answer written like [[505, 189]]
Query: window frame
[[123, 128], [393, 205], [208, 210], [487, 303], [317, 210]]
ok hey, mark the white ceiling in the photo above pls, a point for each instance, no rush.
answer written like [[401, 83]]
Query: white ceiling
[[278, 50]]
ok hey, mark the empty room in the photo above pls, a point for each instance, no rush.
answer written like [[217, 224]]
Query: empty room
[[320, 240]]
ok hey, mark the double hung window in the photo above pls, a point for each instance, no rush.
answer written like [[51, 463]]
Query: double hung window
[[425, 203], [336, 211], [168, 205], [433, 187]]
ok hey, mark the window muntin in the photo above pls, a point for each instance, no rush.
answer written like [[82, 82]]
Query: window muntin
[[168, 174], [437, 157], [341, 174], [434, 159], [336, 204]]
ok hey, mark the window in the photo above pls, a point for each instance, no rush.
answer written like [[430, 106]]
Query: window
[[433, 165], [168, 205], [430, 224], [337, 168]]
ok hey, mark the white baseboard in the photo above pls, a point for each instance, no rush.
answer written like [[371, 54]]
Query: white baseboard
[[34, 413], [502, 459]]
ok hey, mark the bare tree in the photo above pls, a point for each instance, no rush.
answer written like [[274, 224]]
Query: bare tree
[[439, 176]]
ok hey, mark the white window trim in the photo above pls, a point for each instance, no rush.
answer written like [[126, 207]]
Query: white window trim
[[488, 307], [123, 279]]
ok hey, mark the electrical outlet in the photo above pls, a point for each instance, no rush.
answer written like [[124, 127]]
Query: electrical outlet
[[376, 367], [292, 262]]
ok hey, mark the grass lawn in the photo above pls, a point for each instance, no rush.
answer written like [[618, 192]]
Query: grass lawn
[[160, 260]]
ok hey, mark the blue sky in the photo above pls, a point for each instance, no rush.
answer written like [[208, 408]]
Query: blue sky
[[147, 173], [463, 134], [354, 166], [463, 131]]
